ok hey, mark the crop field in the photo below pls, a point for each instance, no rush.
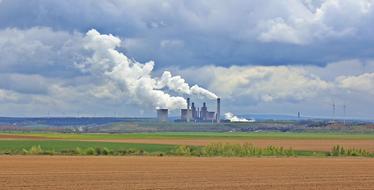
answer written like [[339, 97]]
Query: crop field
[[59, 145], [175, 160], [76, 172], [297, 141]]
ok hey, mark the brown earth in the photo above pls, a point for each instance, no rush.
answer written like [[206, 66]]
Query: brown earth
[[75, 172]]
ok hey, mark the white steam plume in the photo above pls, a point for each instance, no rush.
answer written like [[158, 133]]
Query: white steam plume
[[197, 90], [230, 116], [178, 84], [133, 78], [175, 83]]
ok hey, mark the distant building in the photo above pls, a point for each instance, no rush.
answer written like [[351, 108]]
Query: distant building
[[193, 113], [210, 116], [202, 114], [186, 114], [162, 115]]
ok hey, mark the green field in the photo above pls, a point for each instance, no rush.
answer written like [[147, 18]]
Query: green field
[[15, 147], [204, 135], [59, 145]]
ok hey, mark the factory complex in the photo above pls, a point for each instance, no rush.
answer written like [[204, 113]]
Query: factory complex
[[193, 114]]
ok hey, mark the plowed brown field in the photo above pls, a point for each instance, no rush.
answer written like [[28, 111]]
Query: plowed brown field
[[64, 172]]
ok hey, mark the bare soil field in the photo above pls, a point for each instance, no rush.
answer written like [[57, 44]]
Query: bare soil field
[[75, 172], [296, 144]]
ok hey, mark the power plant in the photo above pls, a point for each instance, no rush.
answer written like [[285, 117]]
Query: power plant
[[163, 114], [194, 114]]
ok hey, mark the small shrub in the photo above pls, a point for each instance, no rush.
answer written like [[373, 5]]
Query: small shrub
[[68, 152], [98, 151], [105, 151], [79, 151], [183, 150], [131, 151], [121, 152], [34, 150], [338, 150], [90, 151], [244, 150], [140, 152]]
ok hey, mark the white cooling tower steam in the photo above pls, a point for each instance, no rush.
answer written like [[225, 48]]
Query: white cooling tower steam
[[231, 117], [197, 90], [178, 84], [134, 78]]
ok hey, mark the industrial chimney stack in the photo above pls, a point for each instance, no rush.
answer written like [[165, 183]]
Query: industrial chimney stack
[[218, 110], [188, 110], [188, 103]]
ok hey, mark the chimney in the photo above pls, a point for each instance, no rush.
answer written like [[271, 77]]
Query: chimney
[[188, 110], [188, 103], [218, 110]]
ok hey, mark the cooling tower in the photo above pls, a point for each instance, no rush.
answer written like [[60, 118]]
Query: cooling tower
[[186, 115], [162, 115]]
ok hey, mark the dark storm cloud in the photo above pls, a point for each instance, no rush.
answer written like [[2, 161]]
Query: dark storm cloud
[[223, 33]]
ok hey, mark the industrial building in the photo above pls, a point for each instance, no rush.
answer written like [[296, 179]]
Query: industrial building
[[194, 114], [162, 115]]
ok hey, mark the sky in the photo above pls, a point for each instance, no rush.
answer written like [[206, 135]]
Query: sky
[[128, 57]]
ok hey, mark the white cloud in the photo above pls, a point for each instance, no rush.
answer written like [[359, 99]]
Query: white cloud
[[39, 50], [8, 96], [363, 83], [280, 31], [261, 83], [306, 23]]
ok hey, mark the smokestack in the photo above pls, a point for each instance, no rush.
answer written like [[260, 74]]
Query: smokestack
[[218, 110], [188, 103]]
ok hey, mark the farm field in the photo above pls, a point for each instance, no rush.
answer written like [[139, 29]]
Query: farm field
[[60, 145], [296, 141], [107, 172]]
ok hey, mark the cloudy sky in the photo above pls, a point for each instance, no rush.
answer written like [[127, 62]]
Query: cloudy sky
[[109, 58]]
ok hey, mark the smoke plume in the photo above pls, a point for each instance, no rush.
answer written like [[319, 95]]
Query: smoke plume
[[230, 116], [134, 78]]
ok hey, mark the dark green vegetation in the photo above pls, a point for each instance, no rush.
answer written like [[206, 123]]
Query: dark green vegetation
[[234, 150], [60, 147], [341, 151], [57, 147], [68, 147]]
